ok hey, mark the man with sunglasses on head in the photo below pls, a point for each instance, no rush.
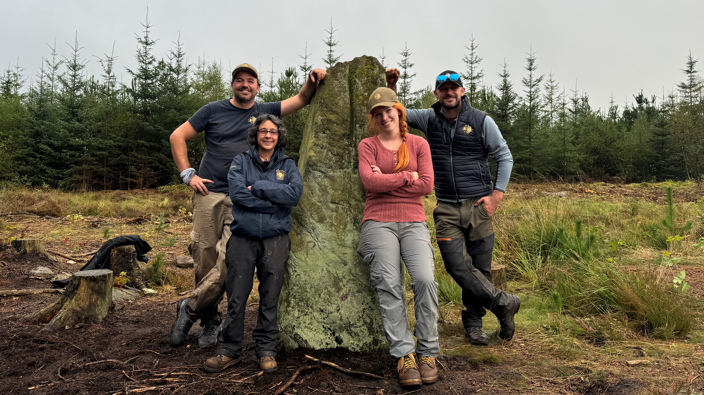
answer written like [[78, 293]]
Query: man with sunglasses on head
[[225, 124], [461, 138]]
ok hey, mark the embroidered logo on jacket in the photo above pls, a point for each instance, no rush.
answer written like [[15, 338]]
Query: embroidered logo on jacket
[[280, 175], [467, 129], [252, 119]]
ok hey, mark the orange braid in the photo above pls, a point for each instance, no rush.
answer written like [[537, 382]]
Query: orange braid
[[403, 126], [403, 149]]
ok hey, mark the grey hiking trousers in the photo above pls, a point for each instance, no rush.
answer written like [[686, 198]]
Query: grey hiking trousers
[[382, 245]]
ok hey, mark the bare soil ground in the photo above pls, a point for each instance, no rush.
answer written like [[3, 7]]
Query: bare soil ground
[[129, 351]]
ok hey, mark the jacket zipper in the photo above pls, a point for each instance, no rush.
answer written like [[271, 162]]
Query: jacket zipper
[[481, 174], [452, 165]]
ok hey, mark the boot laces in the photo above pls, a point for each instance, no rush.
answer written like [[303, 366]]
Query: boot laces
[[426, 360], [409, 363], [209, 330]]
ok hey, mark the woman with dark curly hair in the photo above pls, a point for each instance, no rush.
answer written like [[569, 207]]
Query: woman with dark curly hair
[[264, 185]]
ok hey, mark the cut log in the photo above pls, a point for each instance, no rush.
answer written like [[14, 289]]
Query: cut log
[[498, 276], [88, 297], [31, 246]]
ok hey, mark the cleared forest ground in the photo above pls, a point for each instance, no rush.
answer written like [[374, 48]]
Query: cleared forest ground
[[571, 339]]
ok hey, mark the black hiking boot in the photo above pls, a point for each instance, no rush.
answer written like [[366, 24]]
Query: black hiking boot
[[476, 336], [184, 321], [505, 313], [209, 337]]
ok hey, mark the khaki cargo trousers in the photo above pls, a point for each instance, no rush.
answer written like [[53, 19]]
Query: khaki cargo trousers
[[212, 216], [465, 235]]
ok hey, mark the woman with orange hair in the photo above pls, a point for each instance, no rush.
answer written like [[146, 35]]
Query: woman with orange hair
[[396, 169]]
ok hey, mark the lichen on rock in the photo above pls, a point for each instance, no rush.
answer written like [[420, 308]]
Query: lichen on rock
[[328, 300]]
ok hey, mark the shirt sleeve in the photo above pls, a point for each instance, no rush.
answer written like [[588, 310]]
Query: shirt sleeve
[[418, 119], [497, 148], [378, 183], [201, 118], [241, 195], [273, 108], [424, 184], [285, 195]]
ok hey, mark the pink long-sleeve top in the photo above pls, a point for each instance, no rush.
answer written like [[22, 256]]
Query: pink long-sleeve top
[[395, 197]]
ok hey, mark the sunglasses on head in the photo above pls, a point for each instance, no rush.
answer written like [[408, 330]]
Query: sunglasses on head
[[444, 77]]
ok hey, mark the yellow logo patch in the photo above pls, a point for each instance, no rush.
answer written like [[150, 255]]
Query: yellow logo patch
[[252, 119], [280, 175], [467, 129], [377, 96]]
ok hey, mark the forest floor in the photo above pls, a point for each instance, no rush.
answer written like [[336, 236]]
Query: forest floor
[[553, 352]]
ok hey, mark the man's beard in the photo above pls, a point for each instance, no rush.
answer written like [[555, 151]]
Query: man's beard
[[239, 99], [457, 103]]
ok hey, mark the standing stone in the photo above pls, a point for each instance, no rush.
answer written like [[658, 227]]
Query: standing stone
[[328, 300]]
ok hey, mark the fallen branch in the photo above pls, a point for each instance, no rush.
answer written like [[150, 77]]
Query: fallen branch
[[41, 386], [130, 378], [146, 389], [87, 253], [113, 360], [293, 378], [23, 292], [344, 370], [247, 378], [64, 256]]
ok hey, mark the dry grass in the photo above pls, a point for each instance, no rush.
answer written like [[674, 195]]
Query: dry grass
[[553, 343]]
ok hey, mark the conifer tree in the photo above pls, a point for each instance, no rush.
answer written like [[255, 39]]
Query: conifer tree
[[529, 116], [552, 99], [405, 94], [305, 68], [474, 75], [330, 59], [382, 59], [148, 157], [504, 112], [691, 88]]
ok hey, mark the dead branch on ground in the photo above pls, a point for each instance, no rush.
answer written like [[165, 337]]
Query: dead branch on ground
[[294, 377], [344, 370], [23, 292]]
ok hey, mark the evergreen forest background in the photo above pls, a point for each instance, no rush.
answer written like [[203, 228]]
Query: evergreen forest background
[[64, 129]]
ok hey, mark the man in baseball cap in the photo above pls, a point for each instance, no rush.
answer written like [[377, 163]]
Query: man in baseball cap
[[461, 138], [224, 123]]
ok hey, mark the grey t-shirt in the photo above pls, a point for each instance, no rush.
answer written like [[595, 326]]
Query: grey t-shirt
[[225, 128]]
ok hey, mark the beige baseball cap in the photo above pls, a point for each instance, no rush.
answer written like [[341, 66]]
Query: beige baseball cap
[[382, 97], [245, 67]]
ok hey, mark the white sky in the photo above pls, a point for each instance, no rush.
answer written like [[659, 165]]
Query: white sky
[[610, 47]]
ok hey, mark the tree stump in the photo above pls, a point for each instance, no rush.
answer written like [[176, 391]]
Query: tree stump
[[88, 297], [124, 259], [498, 276], [31, 246]]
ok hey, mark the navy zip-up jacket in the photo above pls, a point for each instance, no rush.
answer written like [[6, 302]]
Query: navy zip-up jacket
[[265, 211]]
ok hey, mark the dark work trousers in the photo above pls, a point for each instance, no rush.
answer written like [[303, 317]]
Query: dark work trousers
[[465, 235], [270, 257]]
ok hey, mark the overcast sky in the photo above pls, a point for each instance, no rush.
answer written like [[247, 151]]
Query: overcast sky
[[608, 47]]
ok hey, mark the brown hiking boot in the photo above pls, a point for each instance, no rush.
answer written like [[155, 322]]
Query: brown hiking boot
[[428, 370], [267, 364], [219, 363], [408, 374]]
